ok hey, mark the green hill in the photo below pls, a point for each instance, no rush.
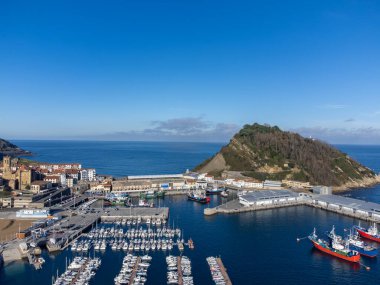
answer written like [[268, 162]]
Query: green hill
[[266, 152]]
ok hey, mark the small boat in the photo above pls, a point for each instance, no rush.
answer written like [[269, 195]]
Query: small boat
[[190, 243], [198, 197], [336, 248], [224, 194], [214, 191], [371, 233]]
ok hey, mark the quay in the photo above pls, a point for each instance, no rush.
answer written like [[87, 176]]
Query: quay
[[234, 207], [267, 199], [73, 228], [223, 270]]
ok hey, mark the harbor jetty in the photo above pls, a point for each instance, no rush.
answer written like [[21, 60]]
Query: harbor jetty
[[272, 199], [180, 276], [223, 270], [134, 271]]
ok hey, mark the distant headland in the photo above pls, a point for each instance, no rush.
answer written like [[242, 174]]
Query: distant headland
[[7, 148]]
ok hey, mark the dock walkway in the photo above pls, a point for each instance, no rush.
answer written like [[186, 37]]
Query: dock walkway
[[223, 270], [133, 275], [179, 270]]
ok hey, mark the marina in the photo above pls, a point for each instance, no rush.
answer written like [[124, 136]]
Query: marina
[[137, 237]]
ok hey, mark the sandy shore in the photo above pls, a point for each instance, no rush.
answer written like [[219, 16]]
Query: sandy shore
[[8, 228]]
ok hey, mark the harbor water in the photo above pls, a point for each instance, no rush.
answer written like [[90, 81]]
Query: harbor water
[[256, 247]]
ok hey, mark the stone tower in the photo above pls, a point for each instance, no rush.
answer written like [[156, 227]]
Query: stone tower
[[7, 165]]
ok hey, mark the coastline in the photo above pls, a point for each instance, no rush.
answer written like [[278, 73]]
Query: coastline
[[15, 153], [363, 183]]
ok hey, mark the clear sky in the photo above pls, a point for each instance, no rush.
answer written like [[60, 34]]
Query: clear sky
[[189, 70]]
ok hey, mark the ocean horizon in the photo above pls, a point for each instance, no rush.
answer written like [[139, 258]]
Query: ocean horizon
[[147, 156]]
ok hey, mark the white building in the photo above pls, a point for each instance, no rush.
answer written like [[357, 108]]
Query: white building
[[209, 178], [83, 175], [268, 197], [253, 184], [91, 172], [201, 184], [272, 184], [88, 174]]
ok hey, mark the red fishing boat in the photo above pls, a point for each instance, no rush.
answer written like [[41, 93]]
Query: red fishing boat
[[198, 197], [336, 248], [371, 233]]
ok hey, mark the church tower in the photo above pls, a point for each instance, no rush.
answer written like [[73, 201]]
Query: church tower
[[7, 165]]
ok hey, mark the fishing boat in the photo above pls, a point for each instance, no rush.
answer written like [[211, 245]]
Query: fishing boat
[[336, 248], [371, 233], [355, 243], [198, 197], [214, 191]]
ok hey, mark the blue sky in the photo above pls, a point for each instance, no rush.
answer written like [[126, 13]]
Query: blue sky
[[189, 70]]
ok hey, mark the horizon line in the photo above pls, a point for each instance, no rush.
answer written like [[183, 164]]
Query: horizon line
[[167, 141]]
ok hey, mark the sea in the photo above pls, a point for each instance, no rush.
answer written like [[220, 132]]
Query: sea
[[256, 247]]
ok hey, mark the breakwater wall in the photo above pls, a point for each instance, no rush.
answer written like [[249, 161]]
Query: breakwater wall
[[355, 208]]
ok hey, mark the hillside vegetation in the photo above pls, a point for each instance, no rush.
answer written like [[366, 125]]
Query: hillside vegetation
[[265, 152]]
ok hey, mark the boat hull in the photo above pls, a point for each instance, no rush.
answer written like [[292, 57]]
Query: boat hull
[[199, 200], [368, 253], [366, 235], [354, 258], [214, 192]]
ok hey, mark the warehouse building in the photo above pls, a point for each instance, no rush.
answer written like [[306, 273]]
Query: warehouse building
[[269, 197]]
